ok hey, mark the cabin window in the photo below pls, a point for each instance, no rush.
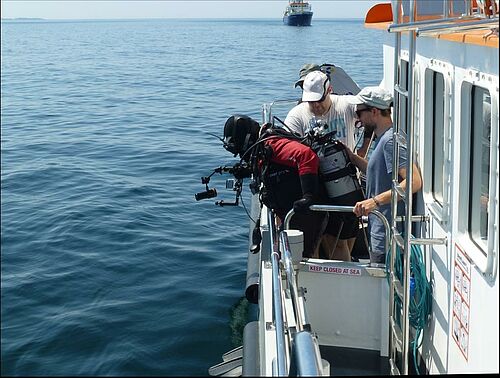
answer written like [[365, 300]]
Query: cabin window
[[479, 166], [458, 8], [438, 143]]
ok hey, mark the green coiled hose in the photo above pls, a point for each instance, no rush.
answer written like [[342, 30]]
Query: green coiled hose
[[420, 295]]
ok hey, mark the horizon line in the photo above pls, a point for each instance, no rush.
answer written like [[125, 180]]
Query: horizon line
[[164, 18]]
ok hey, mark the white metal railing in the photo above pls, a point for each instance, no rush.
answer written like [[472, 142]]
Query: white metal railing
[[484, 16], [344, 209], [281, 365], [304, 354], [291, 280], [267, 108]]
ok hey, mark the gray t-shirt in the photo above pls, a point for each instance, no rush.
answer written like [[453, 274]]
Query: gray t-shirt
[[379, 180]]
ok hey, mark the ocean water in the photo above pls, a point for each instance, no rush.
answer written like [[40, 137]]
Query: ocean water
[[108, 264]]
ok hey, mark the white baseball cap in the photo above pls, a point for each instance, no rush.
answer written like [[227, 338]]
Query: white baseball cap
[[375, 97], [315, 86]]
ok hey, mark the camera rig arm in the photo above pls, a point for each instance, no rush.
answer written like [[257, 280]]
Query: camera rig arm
[[238, 170]]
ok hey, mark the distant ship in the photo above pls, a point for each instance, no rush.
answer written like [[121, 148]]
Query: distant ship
[[298, 13]]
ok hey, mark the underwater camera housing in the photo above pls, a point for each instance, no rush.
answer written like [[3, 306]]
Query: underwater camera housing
[[317, 132]]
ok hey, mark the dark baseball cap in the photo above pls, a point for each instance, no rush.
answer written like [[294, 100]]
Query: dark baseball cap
[[306, 68]]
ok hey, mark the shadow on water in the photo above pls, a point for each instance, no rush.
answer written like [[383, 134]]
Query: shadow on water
[[239, 318]]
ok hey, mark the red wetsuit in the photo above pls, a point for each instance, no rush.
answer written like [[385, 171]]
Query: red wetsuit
[[294, 154]]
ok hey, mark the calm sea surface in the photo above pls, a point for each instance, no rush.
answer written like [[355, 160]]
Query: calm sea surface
[[109, 266]]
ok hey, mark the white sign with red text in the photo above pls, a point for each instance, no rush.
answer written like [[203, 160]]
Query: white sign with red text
[[335, 270], [461, 301]]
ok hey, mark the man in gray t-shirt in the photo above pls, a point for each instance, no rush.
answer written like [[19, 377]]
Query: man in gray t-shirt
[[379, 180], [373, 108]]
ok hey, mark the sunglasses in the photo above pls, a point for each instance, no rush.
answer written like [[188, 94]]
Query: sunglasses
[[359, 111]]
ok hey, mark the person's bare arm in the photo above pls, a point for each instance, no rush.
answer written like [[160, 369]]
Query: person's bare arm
[[366, 206], [357, 160]]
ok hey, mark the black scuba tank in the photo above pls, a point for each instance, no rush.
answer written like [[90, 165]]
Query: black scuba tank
[[338, 174]]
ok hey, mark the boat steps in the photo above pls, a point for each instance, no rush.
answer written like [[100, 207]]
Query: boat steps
[[231, 365]]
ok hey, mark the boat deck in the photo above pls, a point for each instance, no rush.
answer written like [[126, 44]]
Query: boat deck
[[351, 361]]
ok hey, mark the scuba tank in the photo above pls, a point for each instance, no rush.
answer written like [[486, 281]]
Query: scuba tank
[[337, 172]]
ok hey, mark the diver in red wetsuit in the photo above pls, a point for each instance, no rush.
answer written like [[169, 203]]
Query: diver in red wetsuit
[[287, 169]]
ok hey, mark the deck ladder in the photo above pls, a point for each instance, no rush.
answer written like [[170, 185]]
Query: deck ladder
[[404, 126]]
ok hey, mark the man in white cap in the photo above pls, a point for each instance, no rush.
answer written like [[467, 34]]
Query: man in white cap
[[373, 108], [319, 104]]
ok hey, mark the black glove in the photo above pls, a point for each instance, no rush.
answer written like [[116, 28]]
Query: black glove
[[303, 204], [309, 184]]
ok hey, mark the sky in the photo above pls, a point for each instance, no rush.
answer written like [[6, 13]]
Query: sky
[[101, 9]]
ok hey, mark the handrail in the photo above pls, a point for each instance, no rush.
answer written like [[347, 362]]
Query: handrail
[[343, 209], [310, 360], [307, 359], [488, 23], [267, 108], [291, 279], [395, 27], [277, 300], [480, 19]]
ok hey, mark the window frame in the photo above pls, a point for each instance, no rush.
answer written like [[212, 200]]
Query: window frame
[[484, 256], [476, 177], [439, 208]]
